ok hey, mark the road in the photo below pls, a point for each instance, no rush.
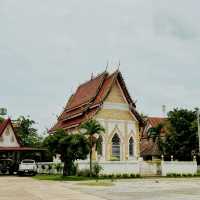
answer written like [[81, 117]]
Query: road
[[26, 188], [22, 188]]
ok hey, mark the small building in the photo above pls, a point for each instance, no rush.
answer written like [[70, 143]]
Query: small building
[[106, 99], [149, 148], [10, 146]]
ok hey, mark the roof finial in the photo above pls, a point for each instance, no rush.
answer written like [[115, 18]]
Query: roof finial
[[119, 63], [92, 75], [107, 65]]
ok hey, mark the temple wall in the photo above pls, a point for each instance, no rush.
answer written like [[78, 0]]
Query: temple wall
[[116, 118]]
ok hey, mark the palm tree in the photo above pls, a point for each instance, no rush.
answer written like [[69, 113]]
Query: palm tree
[[155, 134], [92, 129]]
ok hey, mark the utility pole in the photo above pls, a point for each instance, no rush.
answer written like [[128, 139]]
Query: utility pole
[[198, 124]]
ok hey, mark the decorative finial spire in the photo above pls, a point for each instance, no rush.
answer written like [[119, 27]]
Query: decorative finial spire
[[118, 65], [107, 65]]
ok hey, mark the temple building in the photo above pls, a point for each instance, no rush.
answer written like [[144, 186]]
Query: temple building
[[106, 99]]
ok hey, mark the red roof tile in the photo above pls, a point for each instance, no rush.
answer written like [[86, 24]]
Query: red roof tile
[[88, 99], [3, 125], [155, 121], [86, 92]]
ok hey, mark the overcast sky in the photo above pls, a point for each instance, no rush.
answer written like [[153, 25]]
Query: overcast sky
[[48, 47]]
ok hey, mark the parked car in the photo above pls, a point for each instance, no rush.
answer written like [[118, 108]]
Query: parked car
[[27, 167], [8, 166]]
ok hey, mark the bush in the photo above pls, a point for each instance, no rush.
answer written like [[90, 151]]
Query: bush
[[58, 167], [125, 176], [97, 169], [84, 172]]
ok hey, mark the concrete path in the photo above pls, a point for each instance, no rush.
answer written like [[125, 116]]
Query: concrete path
[[22, 188], [147, 189]]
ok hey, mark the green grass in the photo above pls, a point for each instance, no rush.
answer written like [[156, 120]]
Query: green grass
[[61, 178], [97, 183]]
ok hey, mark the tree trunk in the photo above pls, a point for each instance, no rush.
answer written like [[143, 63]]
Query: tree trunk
[[91, 162], [65, 168]]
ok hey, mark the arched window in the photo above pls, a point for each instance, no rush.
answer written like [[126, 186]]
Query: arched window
[[116, 147], [131, 147], [100, 146]]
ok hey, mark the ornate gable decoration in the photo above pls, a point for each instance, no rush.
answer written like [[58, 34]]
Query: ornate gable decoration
[[8, 137], [88, 100]]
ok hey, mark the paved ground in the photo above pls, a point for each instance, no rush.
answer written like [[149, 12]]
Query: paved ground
[[148, 189], [19, 188]]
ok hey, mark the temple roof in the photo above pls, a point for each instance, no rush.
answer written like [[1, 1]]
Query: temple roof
[[88, 98]]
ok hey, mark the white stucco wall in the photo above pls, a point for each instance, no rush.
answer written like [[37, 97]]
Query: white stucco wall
[[178, 167], [114, 167]]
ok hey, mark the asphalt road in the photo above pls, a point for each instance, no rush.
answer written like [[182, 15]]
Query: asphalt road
[[148, 189], [22, 188], [26, 188]]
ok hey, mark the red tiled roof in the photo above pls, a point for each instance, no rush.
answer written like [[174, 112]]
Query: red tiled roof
[[86, 92], [155, 121], [88, 100], [3, 125]]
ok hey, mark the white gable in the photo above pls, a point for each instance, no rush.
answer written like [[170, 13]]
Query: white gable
[[8, 138]]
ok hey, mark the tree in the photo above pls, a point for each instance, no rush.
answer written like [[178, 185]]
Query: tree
[[92, 129], [27, 134], [71, 147], [182, 138], [155, 134], [1, 119]]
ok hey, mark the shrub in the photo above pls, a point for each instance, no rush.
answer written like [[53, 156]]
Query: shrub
[[125, 176], [50, 166], [118, 176], [84, 172], [132, 175], [97, 169], [58, 167], [138, 176]]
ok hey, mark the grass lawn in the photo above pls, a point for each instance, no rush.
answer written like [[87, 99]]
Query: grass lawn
[[103, 183], [61, 178]]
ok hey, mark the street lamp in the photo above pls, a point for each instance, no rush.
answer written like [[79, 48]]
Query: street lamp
[[198, 125]]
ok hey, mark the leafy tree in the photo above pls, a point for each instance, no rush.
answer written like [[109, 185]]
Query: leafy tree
[[91, 129], [1, 119], [27, 134], [71, 147], [182, 137], [155, 134]]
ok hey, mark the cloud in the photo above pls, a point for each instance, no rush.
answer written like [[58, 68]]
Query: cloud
[[48, 47]]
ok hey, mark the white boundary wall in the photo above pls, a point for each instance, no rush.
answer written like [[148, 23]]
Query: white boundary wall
[[178, 167], [114, 167], [132, 167]]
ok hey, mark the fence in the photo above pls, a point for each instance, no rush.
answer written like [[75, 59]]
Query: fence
[[144, 168], [178, 167], [114, 167]]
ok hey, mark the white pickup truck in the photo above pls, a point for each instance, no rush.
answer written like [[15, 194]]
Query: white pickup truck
[[27, 166]]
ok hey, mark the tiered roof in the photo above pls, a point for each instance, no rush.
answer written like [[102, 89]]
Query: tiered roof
[[88, 98]]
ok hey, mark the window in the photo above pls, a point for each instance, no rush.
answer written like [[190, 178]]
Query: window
[[116, 147], [100, 146], [131, 147]]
